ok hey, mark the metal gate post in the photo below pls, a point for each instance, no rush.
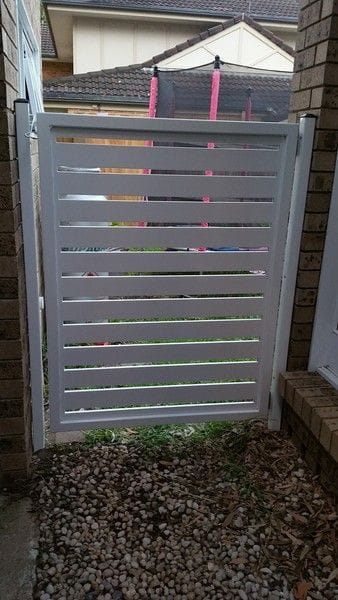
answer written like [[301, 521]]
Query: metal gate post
[[296, 217], [28, 213]]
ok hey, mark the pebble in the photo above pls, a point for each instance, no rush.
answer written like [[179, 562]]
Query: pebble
[[118, 525]]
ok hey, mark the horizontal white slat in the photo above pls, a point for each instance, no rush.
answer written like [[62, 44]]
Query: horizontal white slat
[[168, 158], [162, 262], [152, 395], [183, 186], [101, 126], [158, 330], [165, 212], [159, 415], [150, 374], [143, 353], [164, 237], [90, 310], [161, 285]]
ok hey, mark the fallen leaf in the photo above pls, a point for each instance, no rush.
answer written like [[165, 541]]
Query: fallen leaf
[[238, 561], [295, 541], [301, 589]]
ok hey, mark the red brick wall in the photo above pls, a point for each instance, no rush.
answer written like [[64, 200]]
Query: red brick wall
[[315, 85], [51, 69]]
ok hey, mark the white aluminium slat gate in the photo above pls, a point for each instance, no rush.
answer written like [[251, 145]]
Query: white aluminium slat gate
[[152, 316]]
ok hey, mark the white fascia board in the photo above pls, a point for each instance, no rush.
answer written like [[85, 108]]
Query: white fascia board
[[167, 17], [279, 26], [133, 15]]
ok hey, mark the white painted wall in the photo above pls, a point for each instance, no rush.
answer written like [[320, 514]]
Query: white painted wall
[[106, 43]]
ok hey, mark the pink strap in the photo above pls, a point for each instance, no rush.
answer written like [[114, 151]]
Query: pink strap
[[215, 84], [151, 115]]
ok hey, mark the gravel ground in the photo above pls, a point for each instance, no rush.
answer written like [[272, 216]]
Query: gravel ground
[[231, 516]]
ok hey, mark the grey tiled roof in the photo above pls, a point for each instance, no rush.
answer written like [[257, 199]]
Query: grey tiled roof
[[47, 42], [270, 91], [268, 10], [127, 84]]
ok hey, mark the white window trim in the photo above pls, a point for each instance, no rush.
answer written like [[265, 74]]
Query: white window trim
[[29, 61]]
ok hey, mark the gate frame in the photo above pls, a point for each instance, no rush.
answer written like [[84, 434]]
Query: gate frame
[[307, 125], [297, 204], [32, 270]]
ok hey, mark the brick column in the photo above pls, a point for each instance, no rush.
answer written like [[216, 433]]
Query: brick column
[[15, 413], [315, 90]]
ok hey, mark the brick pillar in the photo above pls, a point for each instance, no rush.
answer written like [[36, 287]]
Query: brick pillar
[[15, 412], [315, 90]]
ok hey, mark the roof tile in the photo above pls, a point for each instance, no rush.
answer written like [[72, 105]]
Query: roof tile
[[47, 42], [268, 10], [130, 85]]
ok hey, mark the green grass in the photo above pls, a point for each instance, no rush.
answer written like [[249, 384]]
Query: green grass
[[158, 435], [162, 440]]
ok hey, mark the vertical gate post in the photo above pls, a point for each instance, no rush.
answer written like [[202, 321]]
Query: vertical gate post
[[297, 209], [30, 242]]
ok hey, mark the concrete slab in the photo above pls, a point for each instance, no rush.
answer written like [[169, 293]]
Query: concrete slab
[[18, 549], [65, 437]]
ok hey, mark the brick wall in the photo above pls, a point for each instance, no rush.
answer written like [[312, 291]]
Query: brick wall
[[315, 85], [15, 411], [52, 68]]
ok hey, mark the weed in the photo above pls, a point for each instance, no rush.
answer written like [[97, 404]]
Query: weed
[[100, 436], [159, 435]]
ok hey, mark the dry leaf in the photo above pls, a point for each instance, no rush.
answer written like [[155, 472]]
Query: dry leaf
[[301, 589], [238, 561], [294, 540]]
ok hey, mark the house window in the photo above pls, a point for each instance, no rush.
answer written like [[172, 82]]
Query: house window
[[29, 62]]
